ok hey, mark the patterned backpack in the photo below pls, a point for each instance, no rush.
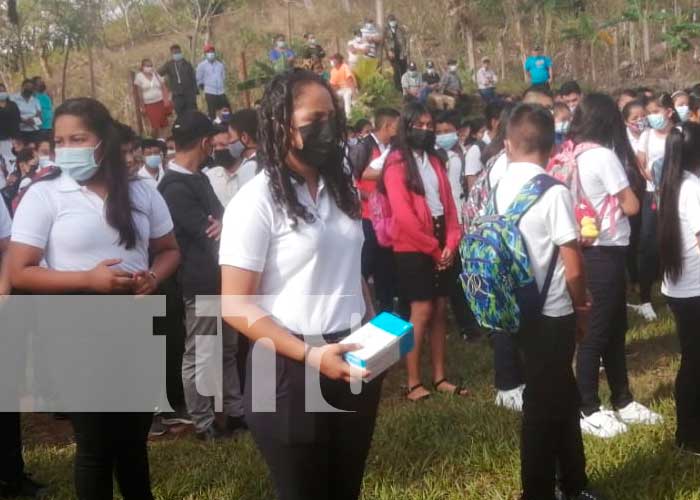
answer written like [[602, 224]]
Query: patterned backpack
[[497, 276], [478, 195]]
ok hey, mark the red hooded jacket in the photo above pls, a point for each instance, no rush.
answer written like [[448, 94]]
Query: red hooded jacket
[[413, 229]]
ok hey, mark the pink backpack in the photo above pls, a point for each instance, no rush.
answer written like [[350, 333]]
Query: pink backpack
[[564, 167], [382, 218]]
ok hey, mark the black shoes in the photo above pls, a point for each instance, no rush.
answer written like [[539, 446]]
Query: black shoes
[[24, 488], [213, 433], [236, 424]]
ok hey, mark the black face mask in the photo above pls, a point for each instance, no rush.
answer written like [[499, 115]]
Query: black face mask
[[421, 139], [320, 144], [224, 158], [26, 92]]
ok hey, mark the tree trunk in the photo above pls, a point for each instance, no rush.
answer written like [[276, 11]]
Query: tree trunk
[[678, 63], [633, 43], [20, 50], [547, 30], [64, 74], [91, 67], [44, 62], [520, 37], [594, 77], [502, 52], [379, 11], [127, 23], [346, 5], [471, 60], [616, 54], [646, 36]]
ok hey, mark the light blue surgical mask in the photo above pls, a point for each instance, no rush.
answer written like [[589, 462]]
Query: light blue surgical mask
[[236, 149], [683, 113], [153, 161], [657, 121], [562, 127], [446, 141], [177, 56], [45, 161], [4, 96], [211, 56], [78, 163]]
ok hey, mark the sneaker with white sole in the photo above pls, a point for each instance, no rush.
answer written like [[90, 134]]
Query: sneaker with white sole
[[602, 424], [635, 413], [511, 400], [647, 312]]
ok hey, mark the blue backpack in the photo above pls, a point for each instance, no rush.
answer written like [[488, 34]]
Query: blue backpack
[[497, 276]]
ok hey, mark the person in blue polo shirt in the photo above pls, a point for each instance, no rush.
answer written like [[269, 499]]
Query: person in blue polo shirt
[[539, 67]]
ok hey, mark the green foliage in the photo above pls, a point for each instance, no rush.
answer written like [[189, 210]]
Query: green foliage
[[378, 92], [365, 69]]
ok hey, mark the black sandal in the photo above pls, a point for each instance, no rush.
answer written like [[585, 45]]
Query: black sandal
[[457, 391], [411, 389]]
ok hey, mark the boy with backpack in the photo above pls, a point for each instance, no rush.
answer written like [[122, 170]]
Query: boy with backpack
[[529, 235]]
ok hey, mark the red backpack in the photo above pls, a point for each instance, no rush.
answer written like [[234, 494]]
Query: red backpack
[[564, 167]]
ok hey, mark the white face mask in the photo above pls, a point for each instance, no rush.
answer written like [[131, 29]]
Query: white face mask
[[211, 56], [452, 69], [148, 70]]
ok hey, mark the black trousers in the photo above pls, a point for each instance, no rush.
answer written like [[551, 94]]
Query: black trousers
[[460, 307], [184, 102], [216, 102], [605, 275], [312, 455], [173, 327], [687, 314], [400, 66], [378, 262], [648, 248], [11, 462], [110, 443], [633, 250], [507, 364], [551, 432]]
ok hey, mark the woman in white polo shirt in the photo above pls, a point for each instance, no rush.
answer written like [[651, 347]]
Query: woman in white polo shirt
[[679, 231], [95, 229], [293, 237]]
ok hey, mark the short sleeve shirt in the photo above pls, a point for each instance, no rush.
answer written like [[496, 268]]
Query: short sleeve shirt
[[602, 176], [688, 284], [654, 147], [538, 66], [311, 279], [151, 89], [68, 222], [5, 222]]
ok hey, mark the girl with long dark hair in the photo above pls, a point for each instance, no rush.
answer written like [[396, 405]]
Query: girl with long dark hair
[[605, 173], [293, 237], [95, 229], [426, 236], [679, 252], [662, 117]]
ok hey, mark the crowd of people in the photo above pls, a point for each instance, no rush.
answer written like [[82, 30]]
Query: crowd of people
[[280, 202]]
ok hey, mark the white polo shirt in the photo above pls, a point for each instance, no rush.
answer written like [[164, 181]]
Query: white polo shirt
[[549, 222], [602, 175], [68, 222], [28, 108], [472, 160], [431, 184], [311, 279], [653, 146], [5, 221], [227, 184], [688, 284], [145, 173]]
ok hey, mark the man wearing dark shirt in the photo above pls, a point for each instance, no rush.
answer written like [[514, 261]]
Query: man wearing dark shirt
[[9, 127], [182, 81]]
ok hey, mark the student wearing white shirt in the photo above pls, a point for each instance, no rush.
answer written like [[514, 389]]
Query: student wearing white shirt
[[679, 229], [605, 182], [95, 231], [222, 172], [292, 236], [551, 437], [152, 169], [29, 111]]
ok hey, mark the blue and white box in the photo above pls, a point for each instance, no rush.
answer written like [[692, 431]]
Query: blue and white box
[[384, 340]]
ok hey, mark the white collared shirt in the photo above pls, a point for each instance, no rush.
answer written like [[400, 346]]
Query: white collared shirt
[[28, 108], [177, 168], [431, 185], [226, 184], [5, 222], [145, 173], [549, 222], [68, 222], [311, 279]]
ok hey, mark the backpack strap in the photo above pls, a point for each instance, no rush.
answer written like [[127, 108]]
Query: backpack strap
[[529, 194]]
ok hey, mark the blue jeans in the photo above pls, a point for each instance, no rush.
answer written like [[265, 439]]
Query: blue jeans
[[488, 95]]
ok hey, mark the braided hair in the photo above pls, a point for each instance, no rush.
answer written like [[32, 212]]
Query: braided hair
[[275, 142]]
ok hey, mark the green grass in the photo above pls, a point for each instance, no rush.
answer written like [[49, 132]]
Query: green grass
[[444, 448]]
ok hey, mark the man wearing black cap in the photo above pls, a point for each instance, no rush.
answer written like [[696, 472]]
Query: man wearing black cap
[[539, 67], [197, 213], [396, 45], [412, 82]]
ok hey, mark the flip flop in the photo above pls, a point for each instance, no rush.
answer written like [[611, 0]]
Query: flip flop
[[411, 389], [458, 391]]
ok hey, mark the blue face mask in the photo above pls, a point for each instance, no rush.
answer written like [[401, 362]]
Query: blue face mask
[[236, 149], [657, 121], [77, 163], [683, 113], [562, 127], [177, 56], [45, 161], [152, 161], [446, 141], [211, 56]]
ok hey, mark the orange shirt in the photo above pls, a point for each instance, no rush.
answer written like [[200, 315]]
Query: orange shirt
[[342, 77]]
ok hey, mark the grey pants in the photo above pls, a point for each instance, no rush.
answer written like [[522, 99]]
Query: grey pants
[[202, 379]]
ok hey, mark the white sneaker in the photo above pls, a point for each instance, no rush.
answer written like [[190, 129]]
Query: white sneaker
[[602, 424], [635, 413], [511, 400], [647, 312]]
